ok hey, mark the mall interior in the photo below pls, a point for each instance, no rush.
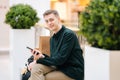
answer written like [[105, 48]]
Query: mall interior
[[13, 52], [69, 11]]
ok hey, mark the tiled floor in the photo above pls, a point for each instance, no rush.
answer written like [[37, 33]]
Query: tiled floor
[[4, 66]]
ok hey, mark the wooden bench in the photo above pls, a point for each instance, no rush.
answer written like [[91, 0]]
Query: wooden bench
[[44, 44]]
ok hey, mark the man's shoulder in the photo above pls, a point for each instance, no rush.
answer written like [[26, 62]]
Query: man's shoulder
[[68, 31]]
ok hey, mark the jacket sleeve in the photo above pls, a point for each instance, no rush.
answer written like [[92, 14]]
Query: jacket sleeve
[[63, 53]]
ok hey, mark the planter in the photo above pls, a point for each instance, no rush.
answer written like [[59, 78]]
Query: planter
[[19, 40], [101, 64]]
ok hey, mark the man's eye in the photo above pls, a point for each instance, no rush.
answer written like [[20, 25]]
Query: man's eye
[[46, 21], [51, 20]]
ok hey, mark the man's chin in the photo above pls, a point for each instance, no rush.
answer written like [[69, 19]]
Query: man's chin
[[52, 29]]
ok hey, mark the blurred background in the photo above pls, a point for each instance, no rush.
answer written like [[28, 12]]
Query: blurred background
[[69, 12]]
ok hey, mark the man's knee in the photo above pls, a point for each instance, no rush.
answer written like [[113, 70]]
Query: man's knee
[[57, 75], [36, 69], [40, 68]]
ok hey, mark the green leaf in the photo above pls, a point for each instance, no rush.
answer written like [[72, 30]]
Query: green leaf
[[99, 23], [21, 16]]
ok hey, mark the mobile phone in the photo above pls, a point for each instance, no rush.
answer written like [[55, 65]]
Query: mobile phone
[[32, 49], [29, 48]]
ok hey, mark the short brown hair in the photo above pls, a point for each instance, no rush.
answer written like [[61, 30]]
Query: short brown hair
[[51, 12]]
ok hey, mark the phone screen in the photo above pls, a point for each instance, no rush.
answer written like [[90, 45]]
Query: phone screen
[[29, 48], [32, 49]]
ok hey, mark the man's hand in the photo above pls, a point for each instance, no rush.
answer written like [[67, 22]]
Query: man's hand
[[31, 65], [37, 54]]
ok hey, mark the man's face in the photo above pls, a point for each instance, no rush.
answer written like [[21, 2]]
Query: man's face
[[52, 22]]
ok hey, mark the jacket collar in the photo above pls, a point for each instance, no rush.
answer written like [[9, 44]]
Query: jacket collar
[[59, 32]]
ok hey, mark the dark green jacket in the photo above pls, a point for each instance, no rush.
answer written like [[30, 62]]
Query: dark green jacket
[[66, 54]]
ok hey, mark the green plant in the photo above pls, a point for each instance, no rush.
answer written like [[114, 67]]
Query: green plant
[[21, 16], [100, 24]]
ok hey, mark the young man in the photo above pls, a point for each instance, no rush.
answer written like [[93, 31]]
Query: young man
[[66, 60]]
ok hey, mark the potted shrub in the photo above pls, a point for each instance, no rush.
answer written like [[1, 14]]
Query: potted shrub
[[21, 18], [99, 24]]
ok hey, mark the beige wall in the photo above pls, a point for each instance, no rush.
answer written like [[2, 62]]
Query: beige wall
[[4, 29]]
